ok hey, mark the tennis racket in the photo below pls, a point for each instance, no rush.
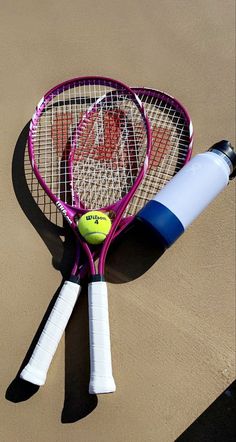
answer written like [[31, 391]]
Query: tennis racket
[[171, 149], [99, 157]]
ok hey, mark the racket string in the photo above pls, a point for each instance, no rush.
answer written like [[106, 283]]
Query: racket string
[[40, 197], [102, 174]]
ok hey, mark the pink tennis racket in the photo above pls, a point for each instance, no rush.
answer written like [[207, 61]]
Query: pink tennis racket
[[89, 144], [171, 149]]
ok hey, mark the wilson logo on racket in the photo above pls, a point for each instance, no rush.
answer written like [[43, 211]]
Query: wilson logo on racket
[[60, 131], [63, 211], [103, 131], [161, 142], [100, 138]]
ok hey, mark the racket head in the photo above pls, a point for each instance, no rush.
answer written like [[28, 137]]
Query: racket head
[[66, 114], [172, 142], [171, 149]]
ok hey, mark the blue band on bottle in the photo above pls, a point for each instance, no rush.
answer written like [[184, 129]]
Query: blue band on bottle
[[162, 221]]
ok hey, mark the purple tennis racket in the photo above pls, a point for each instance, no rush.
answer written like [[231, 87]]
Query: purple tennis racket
[[172, 138], [89, 144]]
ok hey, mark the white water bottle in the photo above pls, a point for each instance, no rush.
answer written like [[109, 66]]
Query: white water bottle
[[189, 192]]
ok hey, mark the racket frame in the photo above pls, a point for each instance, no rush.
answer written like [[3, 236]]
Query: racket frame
[[101, 380], [64, 304]]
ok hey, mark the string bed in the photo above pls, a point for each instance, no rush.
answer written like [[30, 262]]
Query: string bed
[[170, 146], [89, 145]]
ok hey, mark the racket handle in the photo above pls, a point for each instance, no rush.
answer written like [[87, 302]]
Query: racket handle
[[38, 365], [101, 379]]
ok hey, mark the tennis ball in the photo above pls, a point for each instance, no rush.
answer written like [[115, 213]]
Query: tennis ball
[[94, 226]]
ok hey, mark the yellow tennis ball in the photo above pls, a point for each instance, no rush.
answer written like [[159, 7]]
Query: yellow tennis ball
[[94, 226]]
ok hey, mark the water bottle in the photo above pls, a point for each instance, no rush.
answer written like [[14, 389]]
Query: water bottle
[[189, 192]]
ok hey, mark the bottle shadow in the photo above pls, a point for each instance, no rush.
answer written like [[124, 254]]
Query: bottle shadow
[[131, 255]]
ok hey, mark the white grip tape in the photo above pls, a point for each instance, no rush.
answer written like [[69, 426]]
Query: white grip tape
[[38, 365], [101, 379]]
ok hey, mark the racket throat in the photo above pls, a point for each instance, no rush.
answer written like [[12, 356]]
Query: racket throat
[[97, 278], [75, 279]]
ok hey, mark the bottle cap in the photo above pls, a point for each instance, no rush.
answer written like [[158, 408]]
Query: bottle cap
[[226, 149]]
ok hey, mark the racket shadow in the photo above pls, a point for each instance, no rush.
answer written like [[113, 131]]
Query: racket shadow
[[60, 243]]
